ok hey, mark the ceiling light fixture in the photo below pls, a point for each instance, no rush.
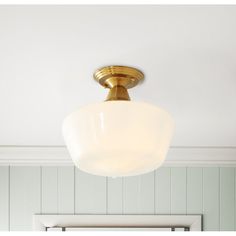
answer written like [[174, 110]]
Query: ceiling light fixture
[[118, 137]]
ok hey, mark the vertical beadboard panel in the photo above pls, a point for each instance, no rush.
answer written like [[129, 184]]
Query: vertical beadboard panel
[[130, 195], [211, 198], [139, 194], [49, 190], [178, 190], [162, 191], [24, 196], [66, 190], [235, 199], [210, 188], [114, 195], [194, 190], [4, 198], [227, 198], [90, 193]]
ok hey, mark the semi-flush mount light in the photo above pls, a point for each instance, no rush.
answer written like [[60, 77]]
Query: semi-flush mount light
[[118, 137]]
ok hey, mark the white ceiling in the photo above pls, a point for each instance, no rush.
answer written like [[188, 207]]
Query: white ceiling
[[49, 53]]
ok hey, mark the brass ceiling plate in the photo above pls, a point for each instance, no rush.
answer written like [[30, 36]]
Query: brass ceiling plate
[[111, 76]]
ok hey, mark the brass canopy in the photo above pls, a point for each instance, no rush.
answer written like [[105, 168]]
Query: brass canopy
[[118, 79]]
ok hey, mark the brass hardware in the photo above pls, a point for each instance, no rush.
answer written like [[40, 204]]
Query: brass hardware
[[118, 79], [118, 93]]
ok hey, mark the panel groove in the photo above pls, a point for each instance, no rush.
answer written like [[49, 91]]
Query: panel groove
[[186, 184], [154, 181], [41, 190], [122, 195], [106, 195], [186, 191], [74, 187], [219, 200], [170, 190], [9, 202], [57, 191], [203, 194]]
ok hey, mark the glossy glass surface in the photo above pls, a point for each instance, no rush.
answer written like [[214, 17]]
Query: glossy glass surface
[[118, 138]]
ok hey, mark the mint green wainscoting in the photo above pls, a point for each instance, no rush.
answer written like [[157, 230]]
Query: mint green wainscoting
[[25, 191]]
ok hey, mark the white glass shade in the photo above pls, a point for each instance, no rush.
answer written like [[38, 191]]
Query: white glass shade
[[118, 138]]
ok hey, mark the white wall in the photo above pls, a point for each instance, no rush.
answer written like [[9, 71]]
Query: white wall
[[65, 190]]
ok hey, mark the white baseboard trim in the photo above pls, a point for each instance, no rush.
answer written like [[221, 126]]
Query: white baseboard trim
[[177, 156]]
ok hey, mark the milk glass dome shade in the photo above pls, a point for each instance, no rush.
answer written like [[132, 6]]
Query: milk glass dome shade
[[118, 137]]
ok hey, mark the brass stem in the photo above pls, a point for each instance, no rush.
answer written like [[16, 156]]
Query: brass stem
[[118, 93]]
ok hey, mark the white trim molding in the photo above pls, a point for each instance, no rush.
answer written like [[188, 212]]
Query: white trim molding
[[58, 155], [41, 222]]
